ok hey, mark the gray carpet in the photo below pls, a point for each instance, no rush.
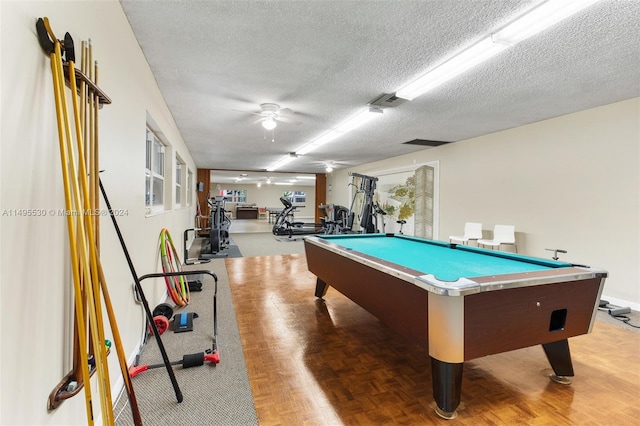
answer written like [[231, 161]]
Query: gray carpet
[[200, 246], [266, 244], [213, 395], [630, 321]]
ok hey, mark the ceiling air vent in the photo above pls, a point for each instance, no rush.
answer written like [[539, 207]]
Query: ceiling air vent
[[387, 100], [425, 142]]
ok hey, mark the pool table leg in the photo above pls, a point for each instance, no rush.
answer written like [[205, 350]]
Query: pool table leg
[[321, 288], [447, 384], [560, 359]]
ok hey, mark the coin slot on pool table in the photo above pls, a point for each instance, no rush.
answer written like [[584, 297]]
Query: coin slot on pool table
[[558, 320]]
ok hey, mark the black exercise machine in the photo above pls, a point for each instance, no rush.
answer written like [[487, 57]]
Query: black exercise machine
[[340, 220], [336, 217], [219, 232], [218, 236], [367, 212], [283, 226]]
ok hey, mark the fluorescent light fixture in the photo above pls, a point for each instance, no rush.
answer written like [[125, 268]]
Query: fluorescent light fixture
[[353, 122], [326, 138], [536, 20], [539, 19], [269, 123], [311, 177], [358, 120], [308, 148], [283, 183], [279, 163], [455, 66]]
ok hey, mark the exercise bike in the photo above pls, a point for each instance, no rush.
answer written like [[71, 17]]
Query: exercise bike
[[283, 226], [336, 217], [379, 213]]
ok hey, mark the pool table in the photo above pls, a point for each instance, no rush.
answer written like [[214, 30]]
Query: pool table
[[461, 302]]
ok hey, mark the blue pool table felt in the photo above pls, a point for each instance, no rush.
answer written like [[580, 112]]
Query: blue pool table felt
[[439, 259]]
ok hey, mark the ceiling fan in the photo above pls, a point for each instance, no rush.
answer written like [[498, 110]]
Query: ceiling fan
[[271, 114], [330, 166]]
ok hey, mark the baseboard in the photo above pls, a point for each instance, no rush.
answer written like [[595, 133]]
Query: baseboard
[[620, 302]]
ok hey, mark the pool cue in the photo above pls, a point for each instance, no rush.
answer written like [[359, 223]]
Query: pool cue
[[86, 118], [89, 128], [93, 143], [84, 89], [96, 189], [88, 238], [90, 143]]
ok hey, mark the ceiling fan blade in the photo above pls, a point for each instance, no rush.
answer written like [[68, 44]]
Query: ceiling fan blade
[[288, 120], [246, 112]]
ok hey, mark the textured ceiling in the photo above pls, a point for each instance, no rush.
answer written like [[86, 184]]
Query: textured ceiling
[[325, 60]]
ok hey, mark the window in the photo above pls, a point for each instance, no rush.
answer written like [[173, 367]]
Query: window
[[189, 187], [154, 173], [179, 168], [234, 195], [296, 197]]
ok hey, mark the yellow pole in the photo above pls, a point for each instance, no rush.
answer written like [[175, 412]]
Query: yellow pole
[[76, 211], [79, 302]]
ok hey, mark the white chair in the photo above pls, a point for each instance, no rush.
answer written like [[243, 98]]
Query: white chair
[[472, 231], [502, 234]]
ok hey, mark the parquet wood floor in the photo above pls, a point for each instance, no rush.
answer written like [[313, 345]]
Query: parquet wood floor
[[328, 363]]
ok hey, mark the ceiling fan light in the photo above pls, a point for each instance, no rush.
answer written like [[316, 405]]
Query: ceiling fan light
[[269, 123]]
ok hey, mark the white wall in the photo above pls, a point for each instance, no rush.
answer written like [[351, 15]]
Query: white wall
[[571, 182], [35, 270]]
